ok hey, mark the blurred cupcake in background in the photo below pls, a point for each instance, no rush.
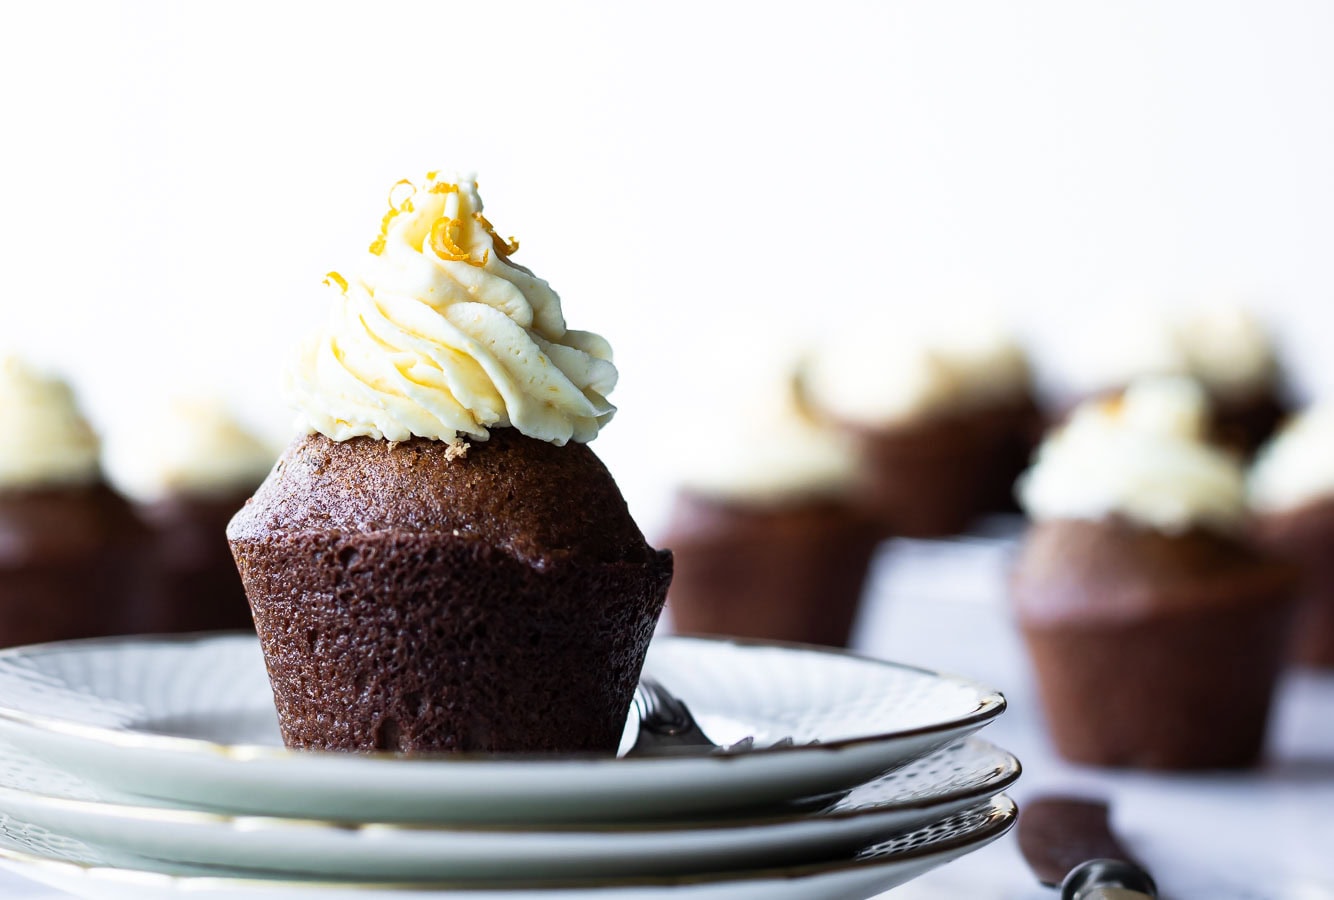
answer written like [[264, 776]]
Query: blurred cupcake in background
[[1233, 355], [68, 561], [1156, 629], [1224, 347], [766, 542], [1291, 490], [942, 424], [188, 468], [1113, 348], [996, 392]]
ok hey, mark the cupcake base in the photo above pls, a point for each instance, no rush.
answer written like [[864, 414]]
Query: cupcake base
[[71, 565], [1305, 536], [413, 601], [1012, 432], [1150, 650], [1244, 423], [924, 479], [198, 588], [791, 573]]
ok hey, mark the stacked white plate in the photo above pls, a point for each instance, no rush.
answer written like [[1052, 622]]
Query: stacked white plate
[[140, 768]]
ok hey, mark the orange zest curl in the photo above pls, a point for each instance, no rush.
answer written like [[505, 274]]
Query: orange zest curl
[[396, 206], [445, 234], [504, 248], [333, 278]]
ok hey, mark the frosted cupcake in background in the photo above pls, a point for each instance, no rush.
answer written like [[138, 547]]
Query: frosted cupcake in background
[[69, 561], [942, 424], [188, 468], [1291, 490], [1226, 348], [439, 563], [997, 394], [766, 541], [1233, 355], [1156, 630]]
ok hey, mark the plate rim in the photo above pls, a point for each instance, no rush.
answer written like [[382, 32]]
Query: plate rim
[[991, 703], [1002, 814], [1010, 771]]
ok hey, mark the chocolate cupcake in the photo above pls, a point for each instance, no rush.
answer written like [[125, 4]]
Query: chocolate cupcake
[[997, 395], [1155, 629], [441, 563], [766, 540], [942, 425], [1291, 489], [68, 561], [1232, 354], [187, 469], [1225, 348]]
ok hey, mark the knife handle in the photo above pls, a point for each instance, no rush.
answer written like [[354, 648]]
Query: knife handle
[[1108, 879]]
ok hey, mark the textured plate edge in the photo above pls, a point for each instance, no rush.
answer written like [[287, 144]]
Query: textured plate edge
[[1003, 813], [991, 704], [1011, 769]]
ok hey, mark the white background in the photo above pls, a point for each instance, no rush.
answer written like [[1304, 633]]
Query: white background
[[177, 177]]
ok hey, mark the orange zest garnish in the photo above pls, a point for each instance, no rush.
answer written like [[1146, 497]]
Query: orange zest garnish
[[444, 187], [333, 278], [504, 248], [396, 206], [445, 234]]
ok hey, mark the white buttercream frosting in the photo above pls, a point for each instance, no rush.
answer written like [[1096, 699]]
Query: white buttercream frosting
[[1143, 457], [882, 377], [988, 363], [44, 439], [440, 335], [771, 451], [1296, 467], [1228, 349], [190, 448]]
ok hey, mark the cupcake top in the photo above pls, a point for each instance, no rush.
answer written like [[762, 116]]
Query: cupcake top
[[1229, 350], [45, 440], [192, 449], [1124, 346], [774, 453], [1225, 348], [1296, 468], [1142, 457], [882, 378], [440, 335]]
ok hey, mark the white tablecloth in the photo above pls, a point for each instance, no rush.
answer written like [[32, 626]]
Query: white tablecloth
[[1266, 834]]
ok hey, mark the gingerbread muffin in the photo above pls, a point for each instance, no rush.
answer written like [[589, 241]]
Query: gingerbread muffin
[[943, 424], [188, 468], [767, 541], [69, 566], [1291, 489], [1155, 629], [997, 395], [440, 563]]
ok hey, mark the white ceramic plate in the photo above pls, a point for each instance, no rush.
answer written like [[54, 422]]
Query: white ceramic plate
[[191, 720], [938, 785], [81, 870]]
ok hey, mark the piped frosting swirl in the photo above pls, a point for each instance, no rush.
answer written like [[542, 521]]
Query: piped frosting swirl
[[441, 336]]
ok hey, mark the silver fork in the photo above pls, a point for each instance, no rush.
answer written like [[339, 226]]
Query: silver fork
[[666, 726]]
